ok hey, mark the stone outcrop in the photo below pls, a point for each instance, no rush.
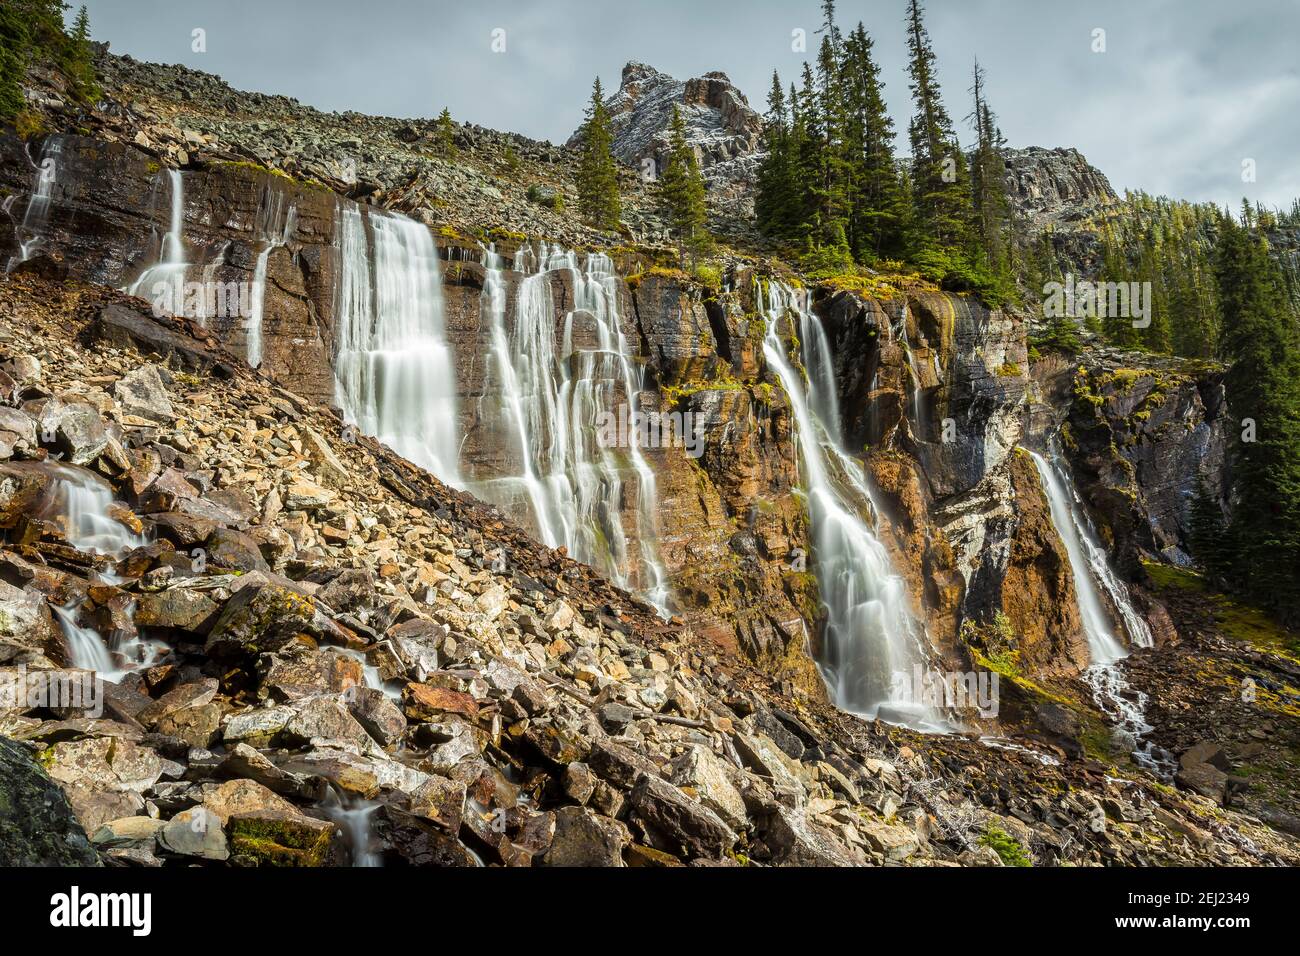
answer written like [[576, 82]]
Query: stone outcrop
[[1142, 435], [721, 127]]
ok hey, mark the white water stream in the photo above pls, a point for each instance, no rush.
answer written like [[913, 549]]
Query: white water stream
[[277, 220], [395, 377], [549, 401], [163, 283], [872, 644], [30, 231], [1094, 575], [84, 502]]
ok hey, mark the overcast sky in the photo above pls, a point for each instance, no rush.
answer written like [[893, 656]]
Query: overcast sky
[[1184, 92]]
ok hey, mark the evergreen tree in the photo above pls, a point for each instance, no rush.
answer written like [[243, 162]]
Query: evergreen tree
[[680, 190], [80, 61], [1263, 390], [444, 132], [990, 207], [598, 198], [940, 184], [776, 203], [877, 204]]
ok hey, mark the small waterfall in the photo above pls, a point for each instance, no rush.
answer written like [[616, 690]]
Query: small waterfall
[[872, 644], [277, 221], [549, 403], [1092, 574], [1091, 569], [352, 817], [84, 502], [164, 283], [29, 232], [395, 376]]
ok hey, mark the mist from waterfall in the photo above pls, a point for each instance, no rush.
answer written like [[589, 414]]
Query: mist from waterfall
[[395, 375], [548, 401], [871, 644]]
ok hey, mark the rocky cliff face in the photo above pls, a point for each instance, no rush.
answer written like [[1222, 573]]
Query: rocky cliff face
[[1055, 188], [721, 128], [1142, 435]]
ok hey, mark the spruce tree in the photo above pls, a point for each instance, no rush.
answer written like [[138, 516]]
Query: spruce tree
[[777, 197], [598, 198], [990, 207], [680, 190], [80, 60], [877, 204], [444, 132], [1263, 390], [940, 184]]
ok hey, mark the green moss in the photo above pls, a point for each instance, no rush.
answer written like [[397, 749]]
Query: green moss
[[1005, 846], [278, 841], [1008, 370]]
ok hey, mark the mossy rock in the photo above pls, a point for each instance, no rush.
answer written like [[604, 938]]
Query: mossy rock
[[279, 838]]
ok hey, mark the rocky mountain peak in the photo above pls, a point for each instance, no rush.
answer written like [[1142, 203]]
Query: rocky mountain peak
[[1052, 186], [721, 127]]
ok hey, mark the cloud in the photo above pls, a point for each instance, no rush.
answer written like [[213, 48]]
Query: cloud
[[1185, 90]]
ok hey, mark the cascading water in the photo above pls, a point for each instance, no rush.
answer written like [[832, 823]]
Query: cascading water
[[872, 644], [164, 283], [1093, 574], [84, 502], [277, 220], [394, 372], [549, 403], [38, 204], [352, 816]]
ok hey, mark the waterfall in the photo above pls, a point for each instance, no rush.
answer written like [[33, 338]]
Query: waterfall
[[1091, 569], [84, 502], [395, 377], [277, 221], [872, 645], [549, 401], [352, 816], [37, 214], [1093, 574], [164, 282]]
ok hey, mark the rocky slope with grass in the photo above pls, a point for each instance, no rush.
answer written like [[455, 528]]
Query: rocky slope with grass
[[348, 650]]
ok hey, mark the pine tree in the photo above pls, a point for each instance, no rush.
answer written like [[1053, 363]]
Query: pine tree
[[80, 65], [1263, 390], [990, 207], [680, 190], [877, 205], [777, 198], [941, 189], [444, 132], [598, 198]]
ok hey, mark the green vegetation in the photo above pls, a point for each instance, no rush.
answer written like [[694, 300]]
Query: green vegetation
[[830, 189], [32, 33], [1006, 846], [679, 191], [444, 134], [598, 198]]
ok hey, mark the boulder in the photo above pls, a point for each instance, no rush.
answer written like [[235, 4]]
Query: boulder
[[585, 838], [676, 823], [37, 825], [143, 394]]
